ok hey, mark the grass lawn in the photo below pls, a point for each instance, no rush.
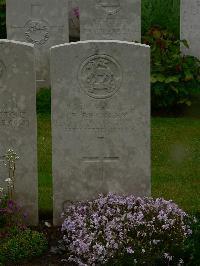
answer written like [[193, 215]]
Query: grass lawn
[[175, 162], [44, 165]]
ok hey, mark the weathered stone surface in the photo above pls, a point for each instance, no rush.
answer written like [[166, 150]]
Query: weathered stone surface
[[100, 120], [18, 120], [110, 20], [43, 23], [190, 22]]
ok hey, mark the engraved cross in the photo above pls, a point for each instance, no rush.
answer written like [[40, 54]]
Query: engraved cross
[[102, 159]]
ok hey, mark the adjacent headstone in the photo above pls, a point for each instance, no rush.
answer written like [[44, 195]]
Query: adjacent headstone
[[18, 121], [100, 120], [110, 20], [43, 23], [190, 21]]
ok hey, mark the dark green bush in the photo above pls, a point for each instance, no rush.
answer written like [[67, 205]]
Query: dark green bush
[[165, 13], [192, 246], [23, 245], [175, 78]]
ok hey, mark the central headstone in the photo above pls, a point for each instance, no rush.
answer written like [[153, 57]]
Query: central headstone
[[18, 128], [100, 120], [43, 23], [110, 20]]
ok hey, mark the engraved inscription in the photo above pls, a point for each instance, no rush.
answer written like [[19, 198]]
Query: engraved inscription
[[13, 119], [97, 121], [108, 27], [100, 76], [110, 6], [37, 32], [2, 70]]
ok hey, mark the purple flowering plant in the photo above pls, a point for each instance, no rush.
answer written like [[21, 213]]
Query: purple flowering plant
[[124, 230], [12, 218], [74, 21], [76, 12]]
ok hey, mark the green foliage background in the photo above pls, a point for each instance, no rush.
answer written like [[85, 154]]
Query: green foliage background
[[165, 13]]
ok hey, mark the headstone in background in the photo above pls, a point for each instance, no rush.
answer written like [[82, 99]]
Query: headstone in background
[[18, 128], [43, 23], [110, 20], [190, 23], [100, 120]]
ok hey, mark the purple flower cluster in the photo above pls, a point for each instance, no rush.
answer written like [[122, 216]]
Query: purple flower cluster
[[96, 232], [11, 216], [76, 12]]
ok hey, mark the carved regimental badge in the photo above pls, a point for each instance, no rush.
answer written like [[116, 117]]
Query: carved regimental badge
[[100, 76], [2, 70], [37, 32], [110, 6]]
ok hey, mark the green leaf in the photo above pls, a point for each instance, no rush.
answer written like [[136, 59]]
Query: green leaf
[[157, 78], [188, 75], [172, 79], [185, 43], [185, 101], [175, 89]]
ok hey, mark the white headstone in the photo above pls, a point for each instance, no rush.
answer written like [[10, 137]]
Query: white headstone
[[110, 20], [100, 120], [190, 22], [43, 23], [18, 128]]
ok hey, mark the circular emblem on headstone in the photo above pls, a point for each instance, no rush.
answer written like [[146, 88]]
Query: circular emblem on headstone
[[100, 76], [2, 70], [110, 6], [37, 32]]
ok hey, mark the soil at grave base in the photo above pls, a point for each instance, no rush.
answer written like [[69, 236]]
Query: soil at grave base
[[45, 260], [53, 234]]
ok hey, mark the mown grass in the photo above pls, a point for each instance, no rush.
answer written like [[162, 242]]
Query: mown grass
[[175, 162], [44, 165]]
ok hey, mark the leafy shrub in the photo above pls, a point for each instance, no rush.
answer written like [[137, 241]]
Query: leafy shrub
[[116, 229], [175, 78], [164, 13], [191, 253], [23, 245], [11, 218]]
